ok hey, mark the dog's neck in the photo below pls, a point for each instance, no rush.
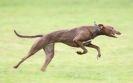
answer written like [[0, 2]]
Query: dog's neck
[[95, 32]]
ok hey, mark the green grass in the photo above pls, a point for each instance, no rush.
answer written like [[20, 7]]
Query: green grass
[[43, 16]]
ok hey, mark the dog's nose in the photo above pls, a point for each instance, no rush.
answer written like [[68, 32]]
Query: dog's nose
[[119, 33]]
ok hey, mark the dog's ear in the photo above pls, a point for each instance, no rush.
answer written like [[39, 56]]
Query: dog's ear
[[101, 26]]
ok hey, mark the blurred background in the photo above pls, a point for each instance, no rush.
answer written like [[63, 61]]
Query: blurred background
[[32, 17]]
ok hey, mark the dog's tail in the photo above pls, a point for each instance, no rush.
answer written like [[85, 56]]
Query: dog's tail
[[24, 36]]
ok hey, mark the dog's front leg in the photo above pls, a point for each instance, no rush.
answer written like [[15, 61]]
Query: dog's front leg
[[76, 40], [89, 44]]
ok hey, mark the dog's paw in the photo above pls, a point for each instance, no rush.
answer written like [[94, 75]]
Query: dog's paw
[[98, 56], [43, 70], [15, 67], [79, 52]]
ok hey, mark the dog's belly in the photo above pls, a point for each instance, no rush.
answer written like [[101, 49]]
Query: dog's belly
[[70, 43]]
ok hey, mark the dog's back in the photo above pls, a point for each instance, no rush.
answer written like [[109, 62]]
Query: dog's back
[[67, 36]]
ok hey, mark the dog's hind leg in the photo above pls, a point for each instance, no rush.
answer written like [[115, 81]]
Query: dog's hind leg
[[49, 51], [80, 44], [36, 47]]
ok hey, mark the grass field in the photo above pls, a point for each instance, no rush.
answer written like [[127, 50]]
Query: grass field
[[43, 16]]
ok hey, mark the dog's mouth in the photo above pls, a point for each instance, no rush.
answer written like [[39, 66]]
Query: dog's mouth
[[115, 34]]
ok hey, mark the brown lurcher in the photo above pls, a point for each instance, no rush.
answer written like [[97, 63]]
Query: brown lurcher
[[79, 37]]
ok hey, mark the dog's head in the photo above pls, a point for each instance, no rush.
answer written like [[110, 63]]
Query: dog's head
[[108, 31]]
